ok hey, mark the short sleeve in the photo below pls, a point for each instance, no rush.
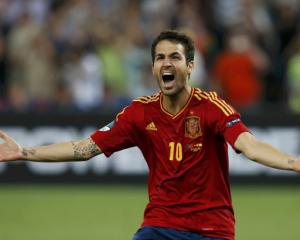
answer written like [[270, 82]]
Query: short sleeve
[[225, 120], [232, 127], [118, 135]]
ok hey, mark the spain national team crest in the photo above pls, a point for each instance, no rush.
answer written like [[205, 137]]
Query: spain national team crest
[[192, 127]]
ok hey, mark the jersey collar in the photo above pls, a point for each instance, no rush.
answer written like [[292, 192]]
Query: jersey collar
[[173, 116]]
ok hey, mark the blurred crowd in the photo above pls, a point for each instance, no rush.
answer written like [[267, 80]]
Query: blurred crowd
[[86, 55]]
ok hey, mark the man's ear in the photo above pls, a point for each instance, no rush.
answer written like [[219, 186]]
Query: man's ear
[[190, 67]]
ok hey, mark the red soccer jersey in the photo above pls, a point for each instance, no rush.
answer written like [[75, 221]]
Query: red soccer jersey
[[187, 157]]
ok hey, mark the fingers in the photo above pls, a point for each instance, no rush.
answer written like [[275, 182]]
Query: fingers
[[3, 135], [6, 138]]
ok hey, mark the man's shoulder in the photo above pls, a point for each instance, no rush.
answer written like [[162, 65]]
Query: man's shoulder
[[146, 100], [205, 95], [139, 106], [213, 101]]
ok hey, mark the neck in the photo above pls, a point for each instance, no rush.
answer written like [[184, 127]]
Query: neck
[[174, 103]]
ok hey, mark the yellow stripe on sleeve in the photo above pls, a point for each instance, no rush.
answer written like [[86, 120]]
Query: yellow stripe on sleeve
[[140, 100], [212, 97], [145, 98], [197, 96], [146, 101], [222, 102]]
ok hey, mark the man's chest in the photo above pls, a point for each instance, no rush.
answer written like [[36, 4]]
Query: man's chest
[[175, 140]]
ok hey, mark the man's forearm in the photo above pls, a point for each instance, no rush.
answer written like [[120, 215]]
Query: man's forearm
[[67, 151], [272, 157], [264, 153]]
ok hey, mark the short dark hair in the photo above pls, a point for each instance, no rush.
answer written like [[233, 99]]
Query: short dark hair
[[178, 37]]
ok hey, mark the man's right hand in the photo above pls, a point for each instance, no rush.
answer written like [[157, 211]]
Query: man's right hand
[[10, 150]]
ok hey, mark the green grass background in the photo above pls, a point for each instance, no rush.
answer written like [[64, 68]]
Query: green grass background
[[114, 212]]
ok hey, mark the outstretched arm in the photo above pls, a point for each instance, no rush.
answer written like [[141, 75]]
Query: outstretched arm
[[77, 150], [265, 154]]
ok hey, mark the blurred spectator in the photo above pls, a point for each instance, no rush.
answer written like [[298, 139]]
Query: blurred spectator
[[115, 74], [138, 61], [33, 68], [191, 22], [82, 78], [258, 22], [293, 77], [134, 53], [156, 16], [20, 43], [3, 68], [229, 13], [75, 17], [11, 10], [237, 71], [285, 18]]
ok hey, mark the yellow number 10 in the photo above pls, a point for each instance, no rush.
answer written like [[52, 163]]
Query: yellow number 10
[[175, 151]]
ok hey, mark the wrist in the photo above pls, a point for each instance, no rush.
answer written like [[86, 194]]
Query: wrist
[[27, 153], [294, 164], [290, 163], [24, 153]]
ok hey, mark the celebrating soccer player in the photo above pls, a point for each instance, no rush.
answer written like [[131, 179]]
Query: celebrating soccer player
[[183, 134]]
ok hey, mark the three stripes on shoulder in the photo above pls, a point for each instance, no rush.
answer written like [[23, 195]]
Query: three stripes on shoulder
[[211, 96]]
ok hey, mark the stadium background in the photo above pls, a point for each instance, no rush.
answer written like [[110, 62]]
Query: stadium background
[[67, 67]]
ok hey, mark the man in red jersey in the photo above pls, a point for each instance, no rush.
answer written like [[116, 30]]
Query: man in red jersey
[[183, 134]]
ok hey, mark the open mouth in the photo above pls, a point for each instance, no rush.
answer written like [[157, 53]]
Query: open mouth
[[168, 80], [168, 77]]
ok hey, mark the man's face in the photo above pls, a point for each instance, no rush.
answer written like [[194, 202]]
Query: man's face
[[170, 67]]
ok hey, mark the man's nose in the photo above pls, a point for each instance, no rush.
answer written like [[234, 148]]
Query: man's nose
[[167, 62]]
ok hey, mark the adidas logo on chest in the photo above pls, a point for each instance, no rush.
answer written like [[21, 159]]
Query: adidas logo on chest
[[151, 127]]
